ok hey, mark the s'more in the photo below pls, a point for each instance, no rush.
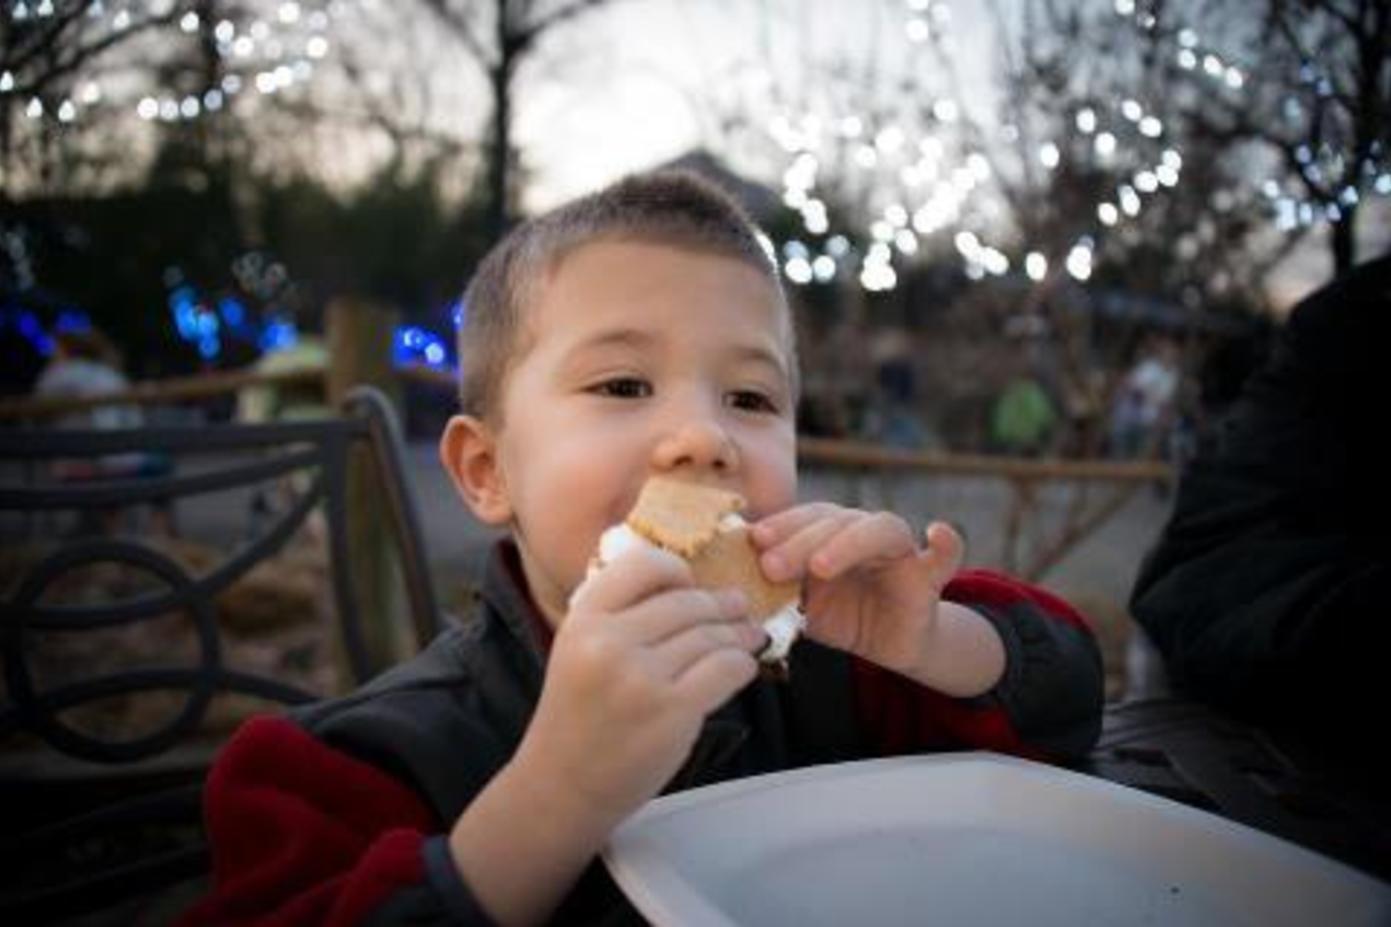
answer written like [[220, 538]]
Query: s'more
[[703, 526]]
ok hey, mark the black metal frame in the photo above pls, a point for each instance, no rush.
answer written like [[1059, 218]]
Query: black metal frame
[[322, 448]]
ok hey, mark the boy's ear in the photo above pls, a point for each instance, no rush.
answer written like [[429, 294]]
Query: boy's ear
[[468, 450]]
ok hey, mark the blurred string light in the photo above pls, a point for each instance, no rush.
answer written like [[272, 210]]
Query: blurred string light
[[18, 290], [19, 320], [72, 321], [1193, 54], [268, 46], [1126, 139], [25, 324], [208, 322], [413, 345], [195, 321], [917, 188]]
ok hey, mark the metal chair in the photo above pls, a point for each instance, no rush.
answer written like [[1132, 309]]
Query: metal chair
[[1187, 752], [94, 821]]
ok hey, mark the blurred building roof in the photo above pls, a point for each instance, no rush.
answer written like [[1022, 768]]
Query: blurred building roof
[[761, 202], [1126, 306]]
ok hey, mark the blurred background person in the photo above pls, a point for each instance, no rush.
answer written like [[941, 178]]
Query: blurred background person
[[1023, 418], [286, 402], [1144, 402], [893, 417], [86, 364]]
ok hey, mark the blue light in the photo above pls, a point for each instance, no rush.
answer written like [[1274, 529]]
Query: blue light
[[401, 347], [412, 344], [278, 335], [29, 326], [209, 347], [458, 312], [233, 312], [182, 296], [183, 302], [72, 320], [186, 320]]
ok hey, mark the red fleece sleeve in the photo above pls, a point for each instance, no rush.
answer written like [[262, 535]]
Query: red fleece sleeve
[[905, 717], [301, 833]]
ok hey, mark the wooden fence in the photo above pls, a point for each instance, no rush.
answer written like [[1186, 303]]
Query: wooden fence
[[1096, 488]]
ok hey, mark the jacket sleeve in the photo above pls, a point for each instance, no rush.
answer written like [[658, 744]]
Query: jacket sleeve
[[301, 833], [1046, 706]]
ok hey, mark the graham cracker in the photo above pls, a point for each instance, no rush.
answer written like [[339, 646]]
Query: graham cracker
[[685, 518], [679, 516], [730, 559]]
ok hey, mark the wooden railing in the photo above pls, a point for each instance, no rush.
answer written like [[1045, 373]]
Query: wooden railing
[[1083, 515], [176, 390], [876, 457]]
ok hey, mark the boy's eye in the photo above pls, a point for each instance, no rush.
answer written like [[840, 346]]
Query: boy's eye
[[624, 388], [752, 401]]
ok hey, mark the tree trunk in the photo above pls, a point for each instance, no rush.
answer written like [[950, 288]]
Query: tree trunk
[[497, 160], [499, 214], [1344, 253]]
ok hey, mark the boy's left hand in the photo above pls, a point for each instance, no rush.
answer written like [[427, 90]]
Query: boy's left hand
[[868, 588]]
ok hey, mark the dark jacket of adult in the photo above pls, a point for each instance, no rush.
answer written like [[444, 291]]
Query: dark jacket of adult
[[1267, 591]]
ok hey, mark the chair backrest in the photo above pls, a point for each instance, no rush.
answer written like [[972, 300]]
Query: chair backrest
[[95, 813]]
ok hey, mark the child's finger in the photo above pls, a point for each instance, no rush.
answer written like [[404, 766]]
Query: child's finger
[[635, 575], [715, 677], [877, 537], [773, 530], [788, 560], [673, 611], [945, 550], [677, 654]]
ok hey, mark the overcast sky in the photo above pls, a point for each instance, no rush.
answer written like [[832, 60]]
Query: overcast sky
[[634, 86]]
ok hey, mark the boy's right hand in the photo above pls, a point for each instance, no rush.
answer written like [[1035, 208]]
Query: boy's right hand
[[640, 660]]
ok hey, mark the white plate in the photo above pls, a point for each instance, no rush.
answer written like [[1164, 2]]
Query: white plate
[[967, 839]]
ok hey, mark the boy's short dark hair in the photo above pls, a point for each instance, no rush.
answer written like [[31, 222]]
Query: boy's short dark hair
[[671, 207]]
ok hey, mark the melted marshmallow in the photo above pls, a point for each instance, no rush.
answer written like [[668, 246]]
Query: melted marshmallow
[[783, 630]]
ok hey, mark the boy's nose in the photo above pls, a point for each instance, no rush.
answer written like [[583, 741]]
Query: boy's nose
[[701, 445]]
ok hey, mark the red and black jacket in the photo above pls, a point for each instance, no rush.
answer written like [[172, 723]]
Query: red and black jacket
[[338, 814]]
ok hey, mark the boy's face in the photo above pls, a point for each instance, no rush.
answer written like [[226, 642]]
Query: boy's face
[[639, 359]]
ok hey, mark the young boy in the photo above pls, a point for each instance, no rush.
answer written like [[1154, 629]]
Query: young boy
[[635, 332]]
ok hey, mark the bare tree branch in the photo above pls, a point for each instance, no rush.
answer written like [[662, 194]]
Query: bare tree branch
[[79, 56], [560, 15], [460, 26]]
